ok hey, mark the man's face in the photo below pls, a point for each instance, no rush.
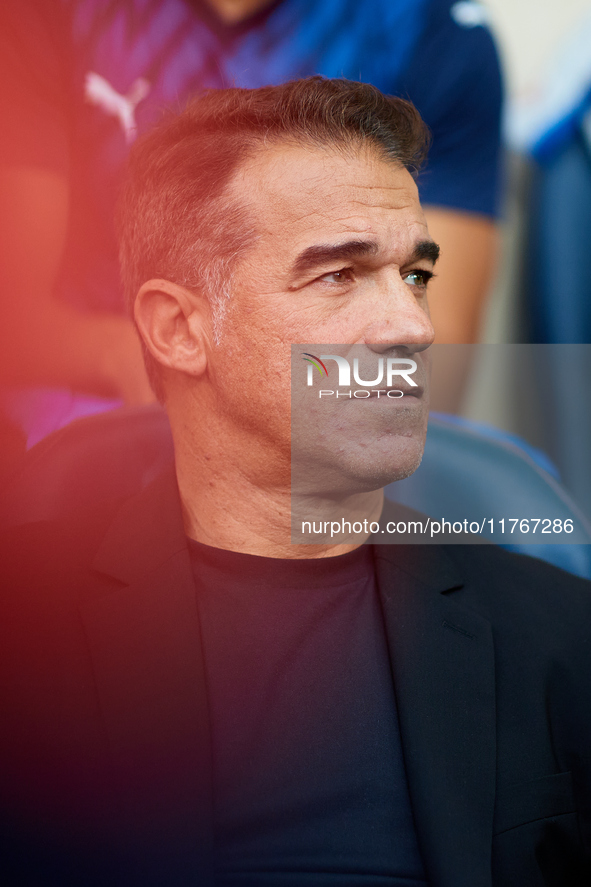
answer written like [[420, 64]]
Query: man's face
[[342, 256]]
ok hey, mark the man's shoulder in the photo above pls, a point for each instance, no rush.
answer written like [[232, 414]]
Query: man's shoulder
[[52, 550], [522, 594], [484, 567], [489, 566], [65, 551], [512, 591]]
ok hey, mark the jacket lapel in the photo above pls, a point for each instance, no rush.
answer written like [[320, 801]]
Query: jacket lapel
[[143, 630], [443, 668]]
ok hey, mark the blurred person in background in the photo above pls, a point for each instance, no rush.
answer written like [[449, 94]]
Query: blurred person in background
[[549, 128], [80, 78]]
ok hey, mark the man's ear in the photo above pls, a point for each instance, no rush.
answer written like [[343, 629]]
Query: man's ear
[[173, 323]]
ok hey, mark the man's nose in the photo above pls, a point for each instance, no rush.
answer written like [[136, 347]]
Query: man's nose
[[400, 317]]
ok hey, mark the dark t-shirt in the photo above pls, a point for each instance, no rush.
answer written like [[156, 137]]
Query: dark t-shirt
[[309, 780]]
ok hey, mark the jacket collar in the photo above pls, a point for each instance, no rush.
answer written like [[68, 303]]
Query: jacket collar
[[142, 623], [145, 532]]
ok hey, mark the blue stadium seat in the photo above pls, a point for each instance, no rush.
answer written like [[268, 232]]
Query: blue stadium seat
[[473, 472]]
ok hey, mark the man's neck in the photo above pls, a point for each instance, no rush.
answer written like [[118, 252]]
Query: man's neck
[[225, 509], [242, 491]]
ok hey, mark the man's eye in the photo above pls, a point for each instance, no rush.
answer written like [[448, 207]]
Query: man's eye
[[418, 278], [343, 275]]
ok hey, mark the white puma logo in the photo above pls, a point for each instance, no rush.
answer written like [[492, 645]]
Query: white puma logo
[[99, 92]]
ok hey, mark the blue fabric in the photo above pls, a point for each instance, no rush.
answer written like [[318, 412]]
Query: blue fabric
[[557, 288], [41, 411], [454, 79], [469, 473], [490, 431], [562, 132], [414, 48]]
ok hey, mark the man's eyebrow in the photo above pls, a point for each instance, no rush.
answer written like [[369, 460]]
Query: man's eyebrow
[[326, 254], [425, 249]]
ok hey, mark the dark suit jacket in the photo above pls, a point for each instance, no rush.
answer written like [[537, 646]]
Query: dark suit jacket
[[105, 748]]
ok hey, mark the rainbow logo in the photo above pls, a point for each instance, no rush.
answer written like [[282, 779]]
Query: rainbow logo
[[315, 361]]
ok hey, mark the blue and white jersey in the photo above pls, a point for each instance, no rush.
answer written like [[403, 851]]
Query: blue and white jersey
[[95, 73]]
